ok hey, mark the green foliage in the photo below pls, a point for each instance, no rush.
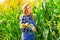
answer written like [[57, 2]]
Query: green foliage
[[47, 18]]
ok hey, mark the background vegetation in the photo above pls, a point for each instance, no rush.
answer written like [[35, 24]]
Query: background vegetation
[[47, 14]]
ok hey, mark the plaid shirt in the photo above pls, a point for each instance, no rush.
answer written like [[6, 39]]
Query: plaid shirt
[[27, 35]]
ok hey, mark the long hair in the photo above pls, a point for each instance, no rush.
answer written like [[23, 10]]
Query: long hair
[[25, 11]]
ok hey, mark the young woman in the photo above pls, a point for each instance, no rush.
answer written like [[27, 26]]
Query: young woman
[[27, 23]]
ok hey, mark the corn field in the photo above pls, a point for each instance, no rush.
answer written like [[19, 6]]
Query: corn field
[[47, 15]]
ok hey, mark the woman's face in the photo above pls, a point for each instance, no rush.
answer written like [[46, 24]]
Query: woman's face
[[29, 10]]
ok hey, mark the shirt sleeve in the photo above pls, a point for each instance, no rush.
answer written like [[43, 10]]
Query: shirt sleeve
[[22, 20], [33, 23]]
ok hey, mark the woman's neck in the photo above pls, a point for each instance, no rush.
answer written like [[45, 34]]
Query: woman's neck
[[26, 14]]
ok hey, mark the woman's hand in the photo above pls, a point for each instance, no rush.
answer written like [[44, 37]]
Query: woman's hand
[[33, 28]]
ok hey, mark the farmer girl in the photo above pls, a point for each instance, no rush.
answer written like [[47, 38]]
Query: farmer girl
[[27, 23]]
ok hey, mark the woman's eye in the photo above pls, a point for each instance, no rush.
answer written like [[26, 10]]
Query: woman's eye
[[28, 8]]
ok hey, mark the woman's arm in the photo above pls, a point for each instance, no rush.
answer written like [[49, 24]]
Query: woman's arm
[[24, 25], [33, 28]]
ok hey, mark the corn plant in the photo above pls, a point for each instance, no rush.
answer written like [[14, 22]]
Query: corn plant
[[47, 16]]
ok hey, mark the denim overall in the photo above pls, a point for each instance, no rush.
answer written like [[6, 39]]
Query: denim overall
[[27, 33]]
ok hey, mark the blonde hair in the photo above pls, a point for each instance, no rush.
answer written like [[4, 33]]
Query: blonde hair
[[25, 11]]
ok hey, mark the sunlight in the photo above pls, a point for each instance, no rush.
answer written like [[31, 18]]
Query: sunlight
[[1, 1]]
